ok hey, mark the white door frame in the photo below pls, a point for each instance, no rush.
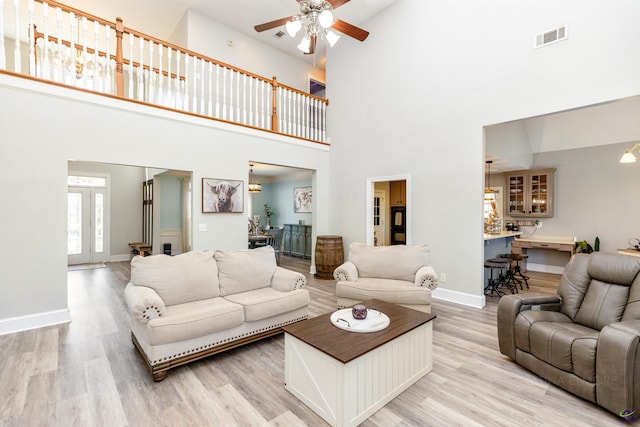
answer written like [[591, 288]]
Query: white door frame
[[370, 191], [92, 256]]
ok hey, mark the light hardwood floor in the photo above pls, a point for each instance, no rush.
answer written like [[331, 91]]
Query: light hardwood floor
[[87, 373]]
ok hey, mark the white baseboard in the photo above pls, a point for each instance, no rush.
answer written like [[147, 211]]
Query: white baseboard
[[544, 268], [34, 321], [119, 258], [476, 301]]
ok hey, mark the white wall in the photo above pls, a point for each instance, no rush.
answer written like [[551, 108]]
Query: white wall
[[63, 125], [456, 67]]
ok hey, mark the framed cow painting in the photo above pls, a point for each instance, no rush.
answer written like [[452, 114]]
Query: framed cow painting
[[222, 195], [302, 199]]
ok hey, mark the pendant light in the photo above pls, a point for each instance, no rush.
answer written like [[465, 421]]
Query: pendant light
[[489, 194], [254, 184]]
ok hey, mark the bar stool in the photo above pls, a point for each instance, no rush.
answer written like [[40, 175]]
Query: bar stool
[[495, 283], [517, 272]]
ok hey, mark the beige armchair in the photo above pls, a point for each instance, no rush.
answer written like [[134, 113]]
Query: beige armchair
[[399, 274], [586, 338]]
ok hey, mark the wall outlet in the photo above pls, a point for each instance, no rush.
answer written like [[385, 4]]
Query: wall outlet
[[538, 224], [443, 277], [202, 227]]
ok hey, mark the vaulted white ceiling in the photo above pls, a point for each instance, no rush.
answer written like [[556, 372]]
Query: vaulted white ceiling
[[159, 18]]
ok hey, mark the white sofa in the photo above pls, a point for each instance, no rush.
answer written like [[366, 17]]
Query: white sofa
[[199, 303], [399, 274]]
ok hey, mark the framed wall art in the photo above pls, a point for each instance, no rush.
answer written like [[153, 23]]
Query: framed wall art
[[222, 195], [302, 199]]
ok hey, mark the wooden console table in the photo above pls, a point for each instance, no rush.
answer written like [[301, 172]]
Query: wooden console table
[[563, 244], [141, 248]]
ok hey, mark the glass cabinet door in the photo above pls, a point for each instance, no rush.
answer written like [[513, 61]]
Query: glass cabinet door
[[539, 201], [516, 196]]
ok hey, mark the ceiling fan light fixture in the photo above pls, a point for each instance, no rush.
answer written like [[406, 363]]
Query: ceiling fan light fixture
[[332, 37], [305, 44], [293, 27], [325, 19]]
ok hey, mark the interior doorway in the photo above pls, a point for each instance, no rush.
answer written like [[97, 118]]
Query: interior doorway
[[390, 187]]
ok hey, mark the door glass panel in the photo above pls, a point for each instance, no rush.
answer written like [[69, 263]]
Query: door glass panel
[[99, 223], [74, 224]]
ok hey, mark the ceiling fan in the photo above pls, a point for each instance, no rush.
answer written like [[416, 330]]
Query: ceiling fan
[[316, 19]]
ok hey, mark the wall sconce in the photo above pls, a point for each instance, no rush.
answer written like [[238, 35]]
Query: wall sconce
[[628, 156]]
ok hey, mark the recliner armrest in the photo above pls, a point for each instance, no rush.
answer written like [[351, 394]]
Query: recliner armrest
[[426, 277], [618, 366], [509, 307], [144, 303], [285, 280], [347, 271]]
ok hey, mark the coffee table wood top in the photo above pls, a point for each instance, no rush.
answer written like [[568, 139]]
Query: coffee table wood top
[[345, 346]]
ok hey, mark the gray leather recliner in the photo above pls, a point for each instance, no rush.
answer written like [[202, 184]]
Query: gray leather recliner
[[586, 338]]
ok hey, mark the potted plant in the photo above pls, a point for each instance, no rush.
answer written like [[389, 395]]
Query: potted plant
[[268, 212], [585, 248]]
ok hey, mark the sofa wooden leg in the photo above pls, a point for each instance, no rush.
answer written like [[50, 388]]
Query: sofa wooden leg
[[159, 376]]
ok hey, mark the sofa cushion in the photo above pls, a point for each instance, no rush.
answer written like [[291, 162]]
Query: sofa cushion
[[245, 270], [194, 319], [398, 262], [266, 302], [526, 319], [603, 304], [567, 346], [187, 277], [390, 290]]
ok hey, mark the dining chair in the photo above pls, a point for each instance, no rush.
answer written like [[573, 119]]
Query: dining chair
[[275, 240]]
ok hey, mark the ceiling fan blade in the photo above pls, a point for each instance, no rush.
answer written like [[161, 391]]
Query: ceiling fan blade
[[337, 3], [312, 48], [273, 24], [350, 30]]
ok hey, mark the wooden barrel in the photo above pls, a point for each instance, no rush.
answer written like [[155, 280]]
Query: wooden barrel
[[329, 255]]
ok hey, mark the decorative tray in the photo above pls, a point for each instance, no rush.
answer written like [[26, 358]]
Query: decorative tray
[[374, 322]]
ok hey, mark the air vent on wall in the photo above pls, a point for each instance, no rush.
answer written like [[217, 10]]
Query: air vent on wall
[[279, 34], [551, 36]]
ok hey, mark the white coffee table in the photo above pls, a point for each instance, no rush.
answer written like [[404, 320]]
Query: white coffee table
[[345, 377]]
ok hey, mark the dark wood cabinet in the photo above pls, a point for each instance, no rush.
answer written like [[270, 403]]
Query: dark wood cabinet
[[297, 240]]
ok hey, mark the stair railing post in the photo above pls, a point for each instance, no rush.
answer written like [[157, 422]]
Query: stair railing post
[[119, 58], [274, 105]]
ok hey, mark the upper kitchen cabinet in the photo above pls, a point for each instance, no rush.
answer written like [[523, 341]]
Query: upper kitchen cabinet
[[398, 193], [530, 193]]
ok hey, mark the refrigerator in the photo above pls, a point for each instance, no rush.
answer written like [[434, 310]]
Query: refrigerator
[[398, 225]]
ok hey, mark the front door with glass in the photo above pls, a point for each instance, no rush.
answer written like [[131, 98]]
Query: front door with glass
[[87, 220]]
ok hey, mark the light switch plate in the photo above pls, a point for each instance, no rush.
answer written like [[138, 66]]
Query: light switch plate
[[202, 227]]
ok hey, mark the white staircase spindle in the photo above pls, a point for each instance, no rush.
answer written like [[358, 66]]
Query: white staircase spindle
[[238, 78], [210, 100], [244, 99], [84, 52], [178, 83], [202, 97], [150, 82], [224, 93], [218, 90], [97, 78], [194, 85], [60, 65], [16, 52], [160, 97], [141, 71], [131, 66], [170, 98], [45, 61], [32, 42], [231, 74], [107, 60], [256, 107], [185, 106]]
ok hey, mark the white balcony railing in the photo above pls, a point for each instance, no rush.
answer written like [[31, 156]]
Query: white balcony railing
[[57, 43]]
